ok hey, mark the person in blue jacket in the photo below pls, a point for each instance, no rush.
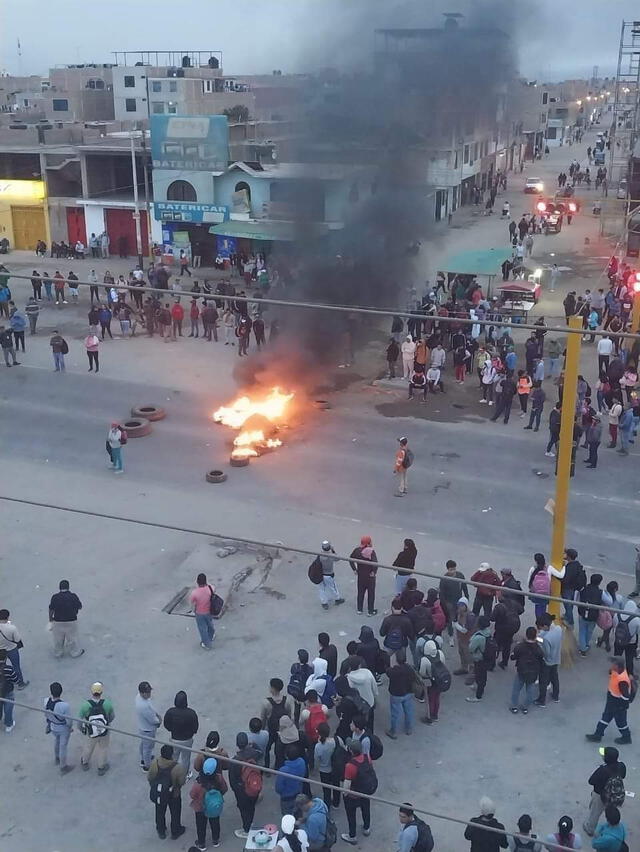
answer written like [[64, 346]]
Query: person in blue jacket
[[610, 835], [18, 323], [289, 788]]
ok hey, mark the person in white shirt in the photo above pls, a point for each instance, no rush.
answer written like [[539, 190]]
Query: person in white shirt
[[408, 349], [488, 377], [434, 380], [605, 348], [438, 357]]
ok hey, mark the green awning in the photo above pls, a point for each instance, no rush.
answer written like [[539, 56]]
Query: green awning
[[269, 230], [479, 262]]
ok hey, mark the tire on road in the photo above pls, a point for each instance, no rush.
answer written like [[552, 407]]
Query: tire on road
[[215, 476], [149, 412], [137, 427], [239, 462]]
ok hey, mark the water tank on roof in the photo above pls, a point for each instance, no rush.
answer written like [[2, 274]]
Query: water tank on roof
[[186, 61], [213, 62]]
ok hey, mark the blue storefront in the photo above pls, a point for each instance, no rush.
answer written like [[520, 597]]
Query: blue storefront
[[187, 226]]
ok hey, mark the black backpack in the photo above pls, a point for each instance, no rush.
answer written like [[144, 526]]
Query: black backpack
[[366, 780], [394, 640], [278, 710], [622, 633], [490, 653], [424, 842], [376, 749], [315, 571], [440, 674], [407, 461], [297, 682], [339, 759], [161, 787]]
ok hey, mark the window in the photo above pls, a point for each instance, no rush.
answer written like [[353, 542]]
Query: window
[[545, 98], [156, 86], [130, 104], [129, 81], [466, 154], [60, 105], [181, 190], [173, 86], [207, 87], [172, 109], [99, 84], [157, 107]]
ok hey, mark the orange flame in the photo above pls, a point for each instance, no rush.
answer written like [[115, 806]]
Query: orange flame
[[249, 443]]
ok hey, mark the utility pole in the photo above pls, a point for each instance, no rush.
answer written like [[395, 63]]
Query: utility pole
[[147, 196], [635, 313], [565, 457], [136, 212]]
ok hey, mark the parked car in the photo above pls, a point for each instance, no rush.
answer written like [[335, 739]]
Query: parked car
[[533, 184], [622, 189]]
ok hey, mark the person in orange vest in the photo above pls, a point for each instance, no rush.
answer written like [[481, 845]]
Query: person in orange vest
[[524, 389], [404, 460], [619, 696]]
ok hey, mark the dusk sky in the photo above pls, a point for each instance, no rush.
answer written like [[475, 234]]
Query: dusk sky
[[557, 39]]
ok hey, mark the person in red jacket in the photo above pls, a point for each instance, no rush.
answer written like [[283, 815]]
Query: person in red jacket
[[177, 315], [484, 597], [194, 314]]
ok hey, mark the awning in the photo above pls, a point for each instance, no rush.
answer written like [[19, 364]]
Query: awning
[[479, 262], [271, 231], [518, 287]]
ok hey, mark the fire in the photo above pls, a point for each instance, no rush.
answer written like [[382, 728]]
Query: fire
[[250, 442]]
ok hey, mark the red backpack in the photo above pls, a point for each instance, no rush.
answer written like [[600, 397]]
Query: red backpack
[[316, 715], [123, 436], [438, 616], [251, 781]]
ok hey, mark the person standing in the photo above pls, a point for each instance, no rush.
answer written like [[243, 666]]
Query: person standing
[[6, 342], [183, 260], [289, 788], [58, 286], [328, 590], [91, 344], [93, 287], [18, 323], [182, 723], [166, 778], [405, 562], [149, 721], [105, 316], [177, 315], [392, 355], [276, 705], [116, 440], [503, 406], [554, 429], [207, 802], [528, 657], [464, 625], [60, 725], [594, 436], [32, 311], [551, 635], [404, 460], [481, 840], [201, 600], [538, 397], [194, 315], [59, 348], [604, 348], [601, 782], [506, 618], [64, 607], [397, 629], [484, 596], [246, 783], [588, 618], [610, 835], [408, 356], [11, 642], [616, 705], [366, 574], [478, 645], [104, 244], [36, 285], [450, 592], [402, 677], [359, 777], [8, 681], [97, 714]]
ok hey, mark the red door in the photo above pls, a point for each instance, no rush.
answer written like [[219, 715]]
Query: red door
[[76, 227], [121, 228]]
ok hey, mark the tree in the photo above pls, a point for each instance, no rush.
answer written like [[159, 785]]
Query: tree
[[237, 113]]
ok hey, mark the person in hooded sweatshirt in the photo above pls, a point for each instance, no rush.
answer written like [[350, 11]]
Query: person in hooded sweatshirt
[[396, 628], [182, 723], [366, 574], [610, 834], [630, 619], [319, 680], [166, 778], [328, 652], [408, 349], [347, 704], [484, 841], [368, 648], [430, 654], [464, 626], [289, 788], [246, 804], [611, 768], [405, 562], [477, 645], [362, 680]]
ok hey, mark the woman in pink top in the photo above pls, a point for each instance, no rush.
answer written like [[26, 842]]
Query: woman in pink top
[[201, 605], [91, 343]]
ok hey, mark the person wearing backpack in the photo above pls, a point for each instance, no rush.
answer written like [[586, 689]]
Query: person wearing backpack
[[626, 626], [166, 778], [528, 657], [291, 839], [588, 618], [274, 706], [484, 596], [603, 788], [539, 580], [97, 714], [321, 682], [511, 591], [415, 835], [359, 777], [116, 440], [396, 629], [313, 818], [551, 635], [532, 844], [450, 591], [507, 623], [574, 580], [366, 574], [323, 752], [299, 674], [246, 783], [313, 714], [363, 681], [565, 835], [480, 649], [434, 671], [207, 802], [610, 597], [402, 678], [404, 460], [289, 788], [60, 725]]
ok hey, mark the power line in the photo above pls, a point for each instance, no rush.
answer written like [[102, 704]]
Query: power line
[[303, 552], [349, 309], [279, 773]]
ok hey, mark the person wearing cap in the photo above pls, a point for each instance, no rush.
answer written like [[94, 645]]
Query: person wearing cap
[[64, 607], [149, 720], [404, 459], [114, 439], [166, 778], [328, 590], [208, 807], [97, 713], [594, 436], [293, 839], [366, 574]]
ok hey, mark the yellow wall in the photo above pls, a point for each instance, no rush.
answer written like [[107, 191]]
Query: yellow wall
[[21, 193]]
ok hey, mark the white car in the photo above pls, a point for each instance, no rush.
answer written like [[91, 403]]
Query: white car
[[622, 189], [533, 184]]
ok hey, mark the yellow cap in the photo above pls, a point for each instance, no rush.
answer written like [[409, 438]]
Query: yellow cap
[[97, 688]]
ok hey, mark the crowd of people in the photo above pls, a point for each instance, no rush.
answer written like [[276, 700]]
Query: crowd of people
[[324, 714]]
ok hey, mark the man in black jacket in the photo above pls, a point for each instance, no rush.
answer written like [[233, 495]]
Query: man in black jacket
[[574, 580], [246, 803], [396, 628], [554, 429], [401, 680], [592, 593], [611, 768], [506, 399], [182, 723], [481, 840], [529, 658]]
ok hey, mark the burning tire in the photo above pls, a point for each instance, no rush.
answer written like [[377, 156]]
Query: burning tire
[[322, 404], [149, 412], [215, 476], [137, 427], [240, 462]]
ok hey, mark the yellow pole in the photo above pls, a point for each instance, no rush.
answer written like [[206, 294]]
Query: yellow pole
[[635, 313], [565, 448]]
